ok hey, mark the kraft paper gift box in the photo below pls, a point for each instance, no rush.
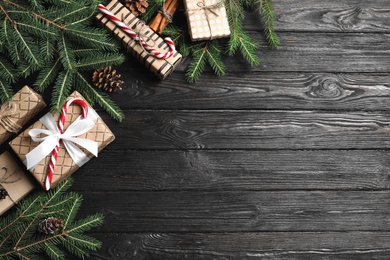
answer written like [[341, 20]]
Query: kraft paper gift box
[[25, 104], [14, 184], [159, 67], [65, 165], [207, 19]]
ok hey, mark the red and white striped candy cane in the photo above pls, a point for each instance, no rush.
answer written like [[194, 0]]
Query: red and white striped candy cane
[[134, 35], [60, 125]]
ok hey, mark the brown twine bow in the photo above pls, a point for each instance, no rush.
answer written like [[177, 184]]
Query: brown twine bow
[[4, 179], [140, 32], [142, 35], [208, 9], [6, 111]]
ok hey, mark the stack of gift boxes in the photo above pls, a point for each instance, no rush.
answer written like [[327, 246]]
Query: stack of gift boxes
[[206, 19], [25, 104]]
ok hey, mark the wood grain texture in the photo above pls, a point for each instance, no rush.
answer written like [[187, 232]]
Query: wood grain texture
[[251, 129], [235, 171], [288, 160], [332, 15], [240, 211], [224, 246], [266, 90], [303, 52]]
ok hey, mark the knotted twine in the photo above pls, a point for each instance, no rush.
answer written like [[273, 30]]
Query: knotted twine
[[4, 180], [150, 49], [7, 110], [208, 9]]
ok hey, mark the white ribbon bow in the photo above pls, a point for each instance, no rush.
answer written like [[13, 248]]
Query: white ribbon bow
[[69, 139]]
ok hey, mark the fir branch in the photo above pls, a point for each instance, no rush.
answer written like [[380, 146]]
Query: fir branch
[[267, 15], [21, 241], [214, 53], [204, 53], [248, 48], [72, 13], [197, 65], [87, 223], [62, 90], [53, 252], [7, 72], [72, 211], [92, 62], [44, 36], [47, 75], [67, 57], [92, 37], [26, 46], [6, 92], [95, 95]]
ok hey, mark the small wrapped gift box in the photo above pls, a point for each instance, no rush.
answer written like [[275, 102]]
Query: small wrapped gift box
[[207, 19], [25, 104], [14, 184], [160, 67], [34, 146]]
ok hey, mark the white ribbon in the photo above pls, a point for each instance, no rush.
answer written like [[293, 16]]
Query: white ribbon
[[52, 136]]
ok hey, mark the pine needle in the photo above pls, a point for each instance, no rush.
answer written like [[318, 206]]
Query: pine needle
[[267, 15], [20, 240], [203, 53], [197, 65], [62, 90], [96, 95], [45, 36]]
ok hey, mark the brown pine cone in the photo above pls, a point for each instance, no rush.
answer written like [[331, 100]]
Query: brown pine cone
[[50, 225], [137, 7], [107, 79]]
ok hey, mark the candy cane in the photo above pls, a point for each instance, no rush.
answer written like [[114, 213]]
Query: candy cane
[[134, 35], [54, 154]]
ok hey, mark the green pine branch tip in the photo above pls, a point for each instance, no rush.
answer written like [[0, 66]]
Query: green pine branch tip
[[50, 38], [19, 235]]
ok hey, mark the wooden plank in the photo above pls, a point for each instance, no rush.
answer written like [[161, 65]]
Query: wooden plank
[[226, 129], [270, 245], [263, 90], [332, 15], [229, 211], [324, 52], [236, 170], [302, 52]]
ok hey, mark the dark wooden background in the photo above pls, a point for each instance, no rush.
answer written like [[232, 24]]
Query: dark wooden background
[[288, 160]]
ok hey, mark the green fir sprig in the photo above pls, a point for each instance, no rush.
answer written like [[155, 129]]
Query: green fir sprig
[[58, 41], [211, 52], [19, 238]]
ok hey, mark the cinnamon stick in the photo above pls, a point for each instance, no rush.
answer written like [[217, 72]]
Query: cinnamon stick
[[162, 19]]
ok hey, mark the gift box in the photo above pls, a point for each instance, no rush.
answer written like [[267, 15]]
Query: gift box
[[14, 183], [68, 161], [159, 67], [207, 19], [25, 104]]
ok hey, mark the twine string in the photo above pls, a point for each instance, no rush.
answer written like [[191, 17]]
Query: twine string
[[208, 9], [164, 12], [141, 34], [4, 180], [7, 110]]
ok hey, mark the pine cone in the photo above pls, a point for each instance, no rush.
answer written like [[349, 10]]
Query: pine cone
[[137, 7], [107, 79], [3, 193], [50, 225]]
